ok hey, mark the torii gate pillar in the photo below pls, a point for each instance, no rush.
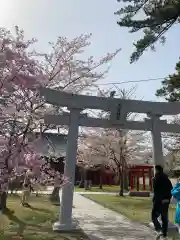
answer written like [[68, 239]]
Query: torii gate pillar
[[65, 222], [157, 141]]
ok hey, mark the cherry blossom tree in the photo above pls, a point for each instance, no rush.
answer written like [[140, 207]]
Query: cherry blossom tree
[[23, 71], [116, 149], [92, 155], [171, 142], [46, 175]]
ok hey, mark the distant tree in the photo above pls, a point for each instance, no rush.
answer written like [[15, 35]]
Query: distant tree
[[115, 148], [170, 89], [93, 154], [155, 18]]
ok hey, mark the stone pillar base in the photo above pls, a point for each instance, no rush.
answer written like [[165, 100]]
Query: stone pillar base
[[58, 227], [172, 228]]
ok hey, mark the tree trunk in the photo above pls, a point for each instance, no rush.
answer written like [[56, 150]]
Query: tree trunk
[[54, 197], [116, 178], [3, 201], [100, 180], [126, 180], [81, 184], [86, 182], [121, 192]]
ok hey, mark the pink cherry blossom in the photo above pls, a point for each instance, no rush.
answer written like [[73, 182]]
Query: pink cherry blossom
[[22, 72]]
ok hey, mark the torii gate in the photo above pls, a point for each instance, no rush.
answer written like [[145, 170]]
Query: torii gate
[[118, 109]]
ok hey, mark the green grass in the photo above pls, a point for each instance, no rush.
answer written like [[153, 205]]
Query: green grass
[[106, 188], [33, 223], [134, 208]]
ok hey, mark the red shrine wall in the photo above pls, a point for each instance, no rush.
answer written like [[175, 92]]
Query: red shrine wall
[[136, 172], [141, 172]]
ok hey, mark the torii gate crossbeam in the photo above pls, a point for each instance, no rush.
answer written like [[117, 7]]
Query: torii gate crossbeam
[[76, 104]]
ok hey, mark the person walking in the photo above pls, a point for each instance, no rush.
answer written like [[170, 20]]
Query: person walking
[[162, 196], [26, 189], [176, 194]]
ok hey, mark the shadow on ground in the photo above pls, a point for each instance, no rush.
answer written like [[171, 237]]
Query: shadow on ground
[[37, 228], [111, 228], [42, 210], [22, 225], [108, 227]]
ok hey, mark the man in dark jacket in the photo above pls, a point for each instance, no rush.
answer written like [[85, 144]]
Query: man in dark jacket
[[161, 200]]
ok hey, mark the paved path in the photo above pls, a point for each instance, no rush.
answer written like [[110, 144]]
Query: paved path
[[99, 193], [48, 192], [100, 223], [105, 193]]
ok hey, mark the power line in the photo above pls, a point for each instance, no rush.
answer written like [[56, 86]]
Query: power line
[[135, 81]]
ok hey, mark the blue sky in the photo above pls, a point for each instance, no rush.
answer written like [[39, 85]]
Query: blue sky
[[47, 19]]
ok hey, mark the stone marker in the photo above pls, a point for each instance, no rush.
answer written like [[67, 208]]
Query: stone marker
[[139, 194]]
